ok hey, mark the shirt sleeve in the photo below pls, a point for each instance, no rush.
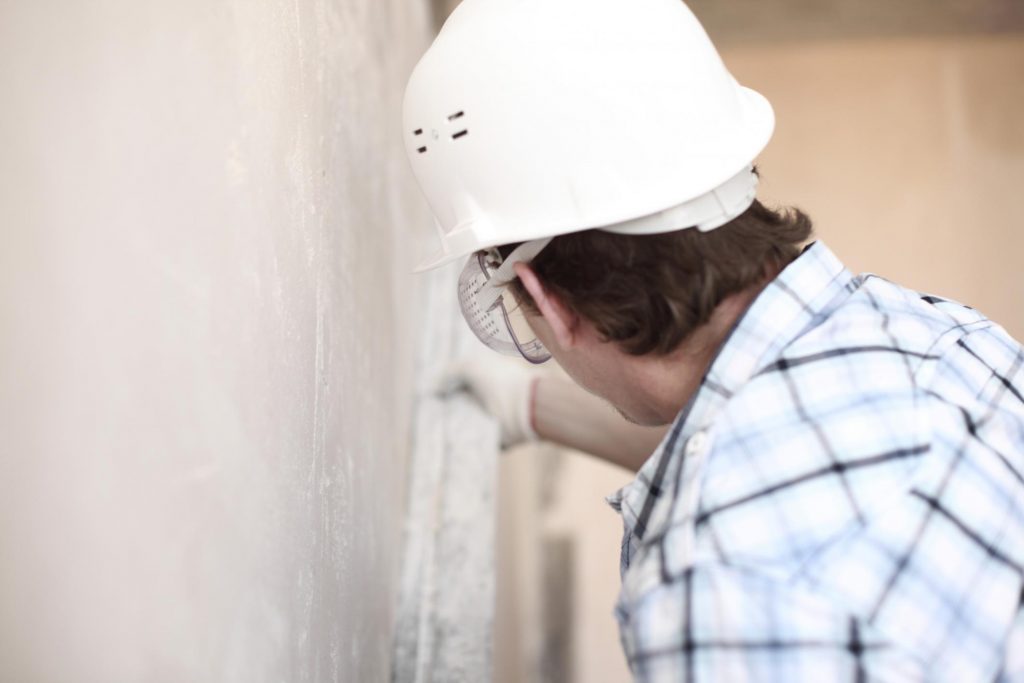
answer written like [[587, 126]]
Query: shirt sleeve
[[721, 623]]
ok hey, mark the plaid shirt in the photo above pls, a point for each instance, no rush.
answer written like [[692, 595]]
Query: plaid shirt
[[842, 499]]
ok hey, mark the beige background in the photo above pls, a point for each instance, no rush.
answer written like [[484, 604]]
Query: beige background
[[908, 152]]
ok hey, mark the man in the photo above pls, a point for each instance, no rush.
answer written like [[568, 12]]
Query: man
[[840, 492]]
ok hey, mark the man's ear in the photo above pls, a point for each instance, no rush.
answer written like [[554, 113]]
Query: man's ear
[[564, 323]]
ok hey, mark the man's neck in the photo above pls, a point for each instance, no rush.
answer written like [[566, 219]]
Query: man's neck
[[671, 381]]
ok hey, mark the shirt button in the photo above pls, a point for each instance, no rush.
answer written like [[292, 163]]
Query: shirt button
[[695, 446]]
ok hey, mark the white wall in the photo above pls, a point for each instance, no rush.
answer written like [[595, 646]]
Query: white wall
[[205, 362]]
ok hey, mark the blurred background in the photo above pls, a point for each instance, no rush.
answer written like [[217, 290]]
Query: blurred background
[[214, 358]]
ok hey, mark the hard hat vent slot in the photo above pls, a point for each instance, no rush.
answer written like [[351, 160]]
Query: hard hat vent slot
[[460, 134], [421, 150], [456, 115], [418, 131]]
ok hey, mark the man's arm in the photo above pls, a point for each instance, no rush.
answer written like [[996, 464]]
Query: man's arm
[[565, 414], [530, 403]]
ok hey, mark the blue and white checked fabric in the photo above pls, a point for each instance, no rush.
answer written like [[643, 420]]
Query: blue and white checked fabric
[[842, 500]]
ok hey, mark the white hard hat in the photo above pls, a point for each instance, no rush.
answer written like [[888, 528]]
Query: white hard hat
[[533, 118]]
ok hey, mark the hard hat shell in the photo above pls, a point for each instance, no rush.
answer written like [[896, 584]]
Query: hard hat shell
[[532, 118]]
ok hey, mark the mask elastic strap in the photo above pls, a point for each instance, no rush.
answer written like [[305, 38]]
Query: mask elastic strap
[[506, 272]]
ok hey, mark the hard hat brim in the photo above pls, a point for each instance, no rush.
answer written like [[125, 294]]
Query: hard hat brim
[[437, 260]]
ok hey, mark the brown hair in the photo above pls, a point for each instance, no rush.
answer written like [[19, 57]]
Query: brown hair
[[649, 292]]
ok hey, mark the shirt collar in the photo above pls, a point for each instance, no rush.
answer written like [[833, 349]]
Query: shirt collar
[[803, 294]]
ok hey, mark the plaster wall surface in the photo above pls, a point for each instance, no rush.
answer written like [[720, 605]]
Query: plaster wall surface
[[206, 350]]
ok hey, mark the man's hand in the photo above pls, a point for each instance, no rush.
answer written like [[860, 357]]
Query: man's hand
[[505, 386]]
